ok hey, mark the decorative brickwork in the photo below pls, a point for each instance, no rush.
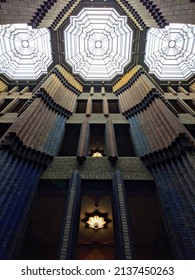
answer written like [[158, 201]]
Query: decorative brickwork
[[192, 87], [53, 13], [97, 118], [175, 181], [71, 219], [143, 13], [121, 220], [19, 179], [3, 86], [20, 13], [97, 169]]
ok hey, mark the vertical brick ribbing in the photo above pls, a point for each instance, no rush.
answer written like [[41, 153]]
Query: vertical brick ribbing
[[160, 139], [34, 126], [192, 87], [42, 131], [3, 86], [32, 140], [138, 136], [60, 94], [71, 219], [123, 234], [19, 179], [160, 126], [148, 128], [73, 83], [55, 137], [175, 182]]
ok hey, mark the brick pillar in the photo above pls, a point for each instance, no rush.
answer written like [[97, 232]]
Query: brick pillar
[[111, 148], [92, 90], [185, 106], [89, 107], [183, 90], [103, 91], [26, 89], [170, 89], [121, 219], [83, 146], [14, 89], [71, 219], [175, 181], [18, 184], [105, 107], [10, 106]]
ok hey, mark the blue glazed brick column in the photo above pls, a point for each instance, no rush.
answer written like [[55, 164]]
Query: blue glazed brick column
[[55, 138], [175, 182], [19, 179], [71, 219], [123, 235]]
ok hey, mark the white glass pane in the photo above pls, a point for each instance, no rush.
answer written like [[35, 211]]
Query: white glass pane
[[25, 53], [95, 40], [170, 52]]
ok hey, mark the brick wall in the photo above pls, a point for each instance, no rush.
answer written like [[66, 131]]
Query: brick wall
[[97, 168]]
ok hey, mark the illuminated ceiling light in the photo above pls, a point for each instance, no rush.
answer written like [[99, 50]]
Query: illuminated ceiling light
[[98, 44], [97, 154], [96, 222], [25, 53], [170, 52]]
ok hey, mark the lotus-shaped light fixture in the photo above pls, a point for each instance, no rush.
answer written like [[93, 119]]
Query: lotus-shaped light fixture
[[96, 222], [97, 154]]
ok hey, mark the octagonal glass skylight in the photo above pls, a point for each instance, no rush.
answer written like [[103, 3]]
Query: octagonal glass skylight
[[98, 43], [25, 53], [170, 52]]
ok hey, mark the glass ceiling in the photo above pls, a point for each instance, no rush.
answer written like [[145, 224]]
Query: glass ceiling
[[170, 52], [25, 53], [98, 43]]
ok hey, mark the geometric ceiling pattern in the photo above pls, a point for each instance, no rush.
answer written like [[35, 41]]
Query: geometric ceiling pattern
[[25, 53], [98, 43], [170, 52]]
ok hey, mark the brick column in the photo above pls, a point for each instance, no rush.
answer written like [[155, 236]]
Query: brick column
[[111, 148], [18, 184], [175, 181], [83, 145], [71, 219], [89, 107], [105, 107], [123, 234]]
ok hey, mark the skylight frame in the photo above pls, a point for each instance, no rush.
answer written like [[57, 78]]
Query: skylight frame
[[99, 24], [25, 53], [170, 52]]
